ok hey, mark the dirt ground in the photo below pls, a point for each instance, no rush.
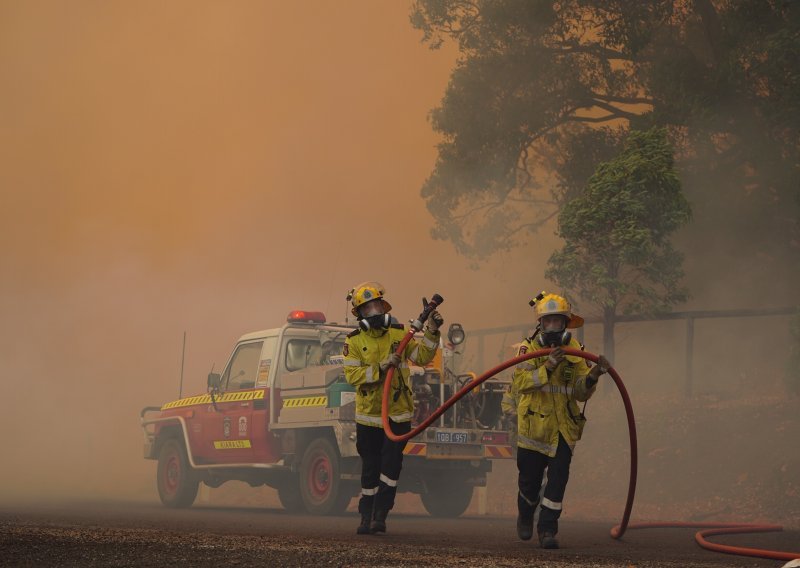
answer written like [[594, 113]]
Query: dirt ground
[[117, 533]]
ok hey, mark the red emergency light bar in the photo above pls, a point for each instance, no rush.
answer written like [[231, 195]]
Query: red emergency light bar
[[303, 316]]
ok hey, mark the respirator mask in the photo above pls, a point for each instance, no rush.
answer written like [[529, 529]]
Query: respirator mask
[[554, 331], [372, 316]]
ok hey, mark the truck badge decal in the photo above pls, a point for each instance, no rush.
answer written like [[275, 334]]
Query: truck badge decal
[[243, 426], [226, 427]]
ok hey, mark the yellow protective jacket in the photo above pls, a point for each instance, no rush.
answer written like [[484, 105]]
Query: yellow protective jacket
[[363, 352], [547, 402], [508, 404]]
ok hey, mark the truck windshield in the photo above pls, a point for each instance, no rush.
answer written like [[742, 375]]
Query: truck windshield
[[241, 373]]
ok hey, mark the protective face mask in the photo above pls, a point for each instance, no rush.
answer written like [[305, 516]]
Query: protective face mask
[[551, 338], [380, 321]]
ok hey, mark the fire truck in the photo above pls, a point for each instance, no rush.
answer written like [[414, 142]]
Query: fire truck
[[281, 414]]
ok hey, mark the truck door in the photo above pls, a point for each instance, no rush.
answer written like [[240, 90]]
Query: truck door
[[228, 430], [266, 447]]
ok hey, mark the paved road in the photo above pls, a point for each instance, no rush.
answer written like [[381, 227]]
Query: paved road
[[147, 534]]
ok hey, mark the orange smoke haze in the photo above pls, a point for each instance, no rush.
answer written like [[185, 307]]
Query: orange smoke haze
[[206, 167], [201, 167]]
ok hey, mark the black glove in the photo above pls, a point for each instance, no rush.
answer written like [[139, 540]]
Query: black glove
[[435, 321]]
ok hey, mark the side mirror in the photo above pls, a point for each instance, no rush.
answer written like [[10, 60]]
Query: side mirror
[[213, 381]]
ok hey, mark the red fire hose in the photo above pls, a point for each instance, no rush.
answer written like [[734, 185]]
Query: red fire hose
[[619, 530]]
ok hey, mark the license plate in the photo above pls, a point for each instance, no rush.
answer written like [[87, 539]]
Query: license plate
[[450, 437]]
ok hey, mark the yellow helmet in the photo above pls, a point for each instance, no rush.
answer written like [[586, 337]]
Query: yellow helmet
[[555, 305], [367, 292]]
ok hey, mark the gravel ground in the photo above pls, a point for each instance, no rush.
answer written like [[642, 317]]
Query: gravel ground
[[127, 534]]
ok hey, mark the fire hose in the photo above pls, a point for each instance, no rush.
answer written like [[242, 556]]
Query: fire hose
[[710, 529]]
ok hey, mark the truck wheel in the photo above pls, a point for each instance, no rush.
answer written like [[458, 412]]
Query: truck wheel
[[177, 483], [320, 487], [447, 499], [289, 495]]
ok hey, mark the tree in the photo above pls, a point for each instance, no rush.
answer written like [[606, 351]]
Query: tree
[[544, 91], [617, 253]]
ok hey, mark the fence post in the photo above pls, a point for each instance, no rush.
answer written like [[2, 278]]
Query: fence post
[[689, 356], [480, 352]]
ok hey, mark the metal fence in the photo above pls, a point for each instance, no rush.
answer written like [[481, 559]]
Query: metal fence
[[689, 316]]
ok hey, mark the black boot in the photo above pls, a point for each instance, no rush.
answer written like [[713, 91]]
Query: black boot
[[365, 507], [379, 522], [548, 540], [524, 527], [364, 527], [525, 509]]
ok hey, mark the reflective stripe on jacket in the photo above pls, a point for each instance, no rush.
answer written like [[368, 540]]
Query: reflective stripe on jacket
[[363, 353], [547, 405]]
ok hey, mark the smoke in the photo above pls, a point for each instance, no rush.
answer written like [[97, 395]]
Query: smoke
[[206, 168]]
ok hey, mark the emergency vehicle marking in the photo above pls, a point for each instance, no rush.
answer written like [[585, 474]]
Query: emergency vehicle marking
[[305, 401], [263, 369], [206, 399], [414, 449], [231, 444], [497, 451]]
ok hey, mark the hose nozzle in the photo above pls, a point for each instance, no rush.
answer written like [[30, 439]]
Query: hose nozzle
[[435, 301]]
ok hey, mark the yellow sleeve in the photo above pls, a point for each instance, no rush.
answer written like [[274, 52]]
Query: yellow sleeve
[[582, 392], [531, 374], [422, 352], [508, 403]]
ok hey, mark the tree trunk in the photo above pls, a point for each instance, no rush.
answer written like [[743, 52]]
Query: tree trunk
[[609, 317], [608, 342]]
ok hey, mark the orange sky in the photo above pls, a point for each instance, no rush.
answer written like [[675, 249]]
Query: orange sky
[[206, 167]]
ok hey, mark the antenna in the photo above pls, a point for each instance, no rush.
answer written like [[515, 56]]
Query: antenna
[[183, 358]]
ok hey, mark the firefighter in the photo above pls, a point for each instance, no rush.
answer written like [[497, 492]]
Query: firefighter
[[369, 352], [549, 422]]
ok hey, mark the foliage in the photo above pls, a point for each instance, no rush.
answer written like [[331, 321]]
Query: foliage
[[617, 252], [544, 91]]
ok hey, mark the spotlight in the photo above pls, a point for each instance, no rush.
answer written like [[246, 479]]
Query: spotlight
[[455, 333]]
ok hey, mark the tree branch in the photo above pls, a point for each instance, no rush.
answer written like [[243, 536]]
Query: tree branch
[[614, 110], [622, 100]]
